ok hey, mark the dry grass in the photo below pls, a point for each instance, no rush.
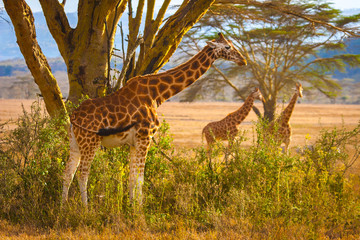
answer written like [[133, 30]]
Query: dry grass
[[10, 109], [186, 121]]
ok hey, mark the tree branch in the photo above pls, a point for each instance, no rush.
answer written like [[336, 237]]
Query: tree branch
[[170, 35], [109, 36], [58, 24], [151, 28], [134, 26], [289, 11], [126, 62], [237, 90], [23, 22]]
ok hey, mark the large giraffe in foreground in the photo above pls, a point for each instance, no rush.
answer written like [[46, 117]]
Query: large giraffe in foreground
[[129, 116], [227, 128], [283, 133]]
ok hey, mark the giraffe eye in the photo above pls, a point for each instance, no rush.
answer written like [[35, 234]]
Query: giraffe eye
[[227, 47]]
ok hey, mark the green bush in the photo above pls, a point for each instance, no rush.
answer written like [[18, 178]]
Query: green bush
[[31, 163], [257, 189]]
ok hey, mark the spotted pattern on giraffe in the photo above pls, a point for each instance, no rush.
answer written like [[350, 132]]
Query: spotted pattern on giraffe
[[227, 128], [134, 105], [283, 133]]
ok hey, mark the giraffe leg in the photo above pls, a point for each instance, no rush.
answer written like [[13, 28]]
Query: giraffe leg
[[210, 140], [287, 143], [84, 171], [71, 165], [228, 148], [287, 138], [137, 166]]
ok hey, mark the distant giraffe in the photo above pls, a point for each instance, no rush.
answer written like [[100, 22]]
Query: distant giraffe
[[283, 133], [129, 116], [227, 128]]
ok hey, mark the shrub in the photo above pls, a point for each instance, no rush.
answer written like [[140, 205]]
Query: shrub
[[258, 191], [31, 163]]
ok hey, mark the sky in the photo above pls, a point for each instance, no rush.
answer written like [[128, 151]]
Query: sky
[[71, 5]]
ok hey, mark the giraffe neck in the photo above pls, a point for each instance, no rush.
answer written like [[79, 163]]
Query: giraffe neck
[[174, 80], [286, 114], [240, 114]]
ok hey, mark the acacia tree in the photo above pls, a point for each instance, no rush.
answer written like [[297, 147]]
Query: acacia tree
[[86, 48], [281, 41]]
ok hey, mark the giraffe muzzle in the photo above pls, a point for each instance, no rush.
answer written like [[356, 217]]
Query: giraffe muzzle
[[243, 62]]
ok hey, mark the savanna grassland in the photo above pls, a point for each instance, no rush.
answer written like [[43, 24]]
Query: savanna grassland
[[250, 191], [186, 120]]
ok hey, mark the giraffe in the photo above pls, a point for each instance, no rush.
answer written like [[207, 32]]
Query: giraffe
[[128, 116], [283, 134], [227, 128]]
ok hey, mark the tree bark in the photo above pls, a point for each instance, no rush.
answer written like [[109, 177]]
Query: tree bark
[[168, 38], [85, 49], [270, 109], [23, 21]]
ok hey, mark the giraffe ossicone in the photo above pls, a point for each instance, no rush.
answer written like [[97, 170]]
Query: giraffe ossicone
[[227, 128], [128, 116]]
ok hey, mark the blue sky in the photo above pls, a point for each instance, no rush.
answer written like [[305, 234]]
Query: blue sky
[[71, 5]]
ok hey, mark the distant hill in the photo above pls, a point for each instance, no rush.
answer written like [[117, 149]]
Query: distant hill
[[10, 50], [352, 73], [353, 47], [14, 66], [14, 73]]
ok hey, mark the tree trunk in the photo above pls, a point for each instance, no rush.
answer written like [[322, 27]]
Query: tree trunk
[[86, 48], [270, 109], [23, 21], [156, 55]]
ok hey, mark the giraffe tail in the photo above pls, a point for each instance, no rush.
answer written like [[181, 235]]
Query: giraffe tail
[[73, 142], [111, 131]]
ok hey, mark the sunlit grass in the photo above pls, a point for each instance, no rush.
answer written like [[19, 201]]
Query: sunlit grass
[[254, 192]]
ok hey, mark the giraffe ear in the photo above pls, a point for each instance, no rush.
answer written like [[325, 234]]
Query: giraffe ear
[[211, 44]]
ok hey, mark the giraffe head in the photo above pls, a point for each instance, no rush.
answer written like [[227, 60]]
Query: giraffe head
[[299, 89], [256, 94], [225, 49]]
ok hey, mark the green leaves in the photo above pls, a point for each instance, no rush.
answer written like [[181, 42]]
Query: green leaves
[[353, 60], [284, 42], [310, 190], [347, 20]]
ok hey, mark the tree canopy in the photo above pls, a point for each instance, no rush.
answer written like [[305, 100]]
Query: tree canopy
[[260, 29], [87, 48], [281, 41]]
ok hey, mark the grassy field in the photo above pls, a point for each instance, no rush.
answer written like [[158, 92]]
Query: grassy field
[[187, 120], [177, 216]]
